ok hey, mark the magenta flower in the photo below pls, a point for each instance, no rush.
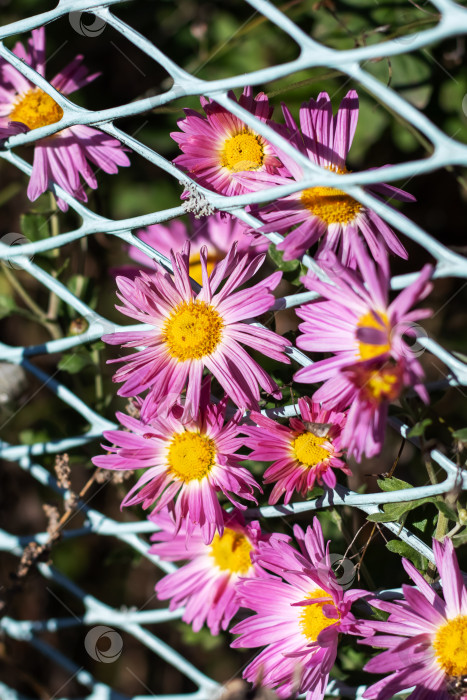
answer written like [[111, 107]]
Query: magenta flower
[[306, 452], [206, 585], [324, 214], [425, 636], [12, 129], [63, 157], [191, 331], [300, 614], [218, 145], [218, 233], [186, 465], [372, 362]]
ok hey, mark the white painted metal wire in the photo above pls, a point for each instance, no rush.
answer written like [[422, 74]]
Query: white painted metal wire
[[446, 151]]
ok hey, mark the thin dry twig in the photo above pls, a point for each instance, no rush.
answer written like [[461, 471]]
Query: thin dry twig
[[34, 552]]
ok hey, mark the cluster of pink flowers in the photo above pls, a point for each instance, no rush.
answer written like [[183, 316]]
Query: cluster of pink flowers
[[191, 452], [188, 446], [68, 155], [195, 376]]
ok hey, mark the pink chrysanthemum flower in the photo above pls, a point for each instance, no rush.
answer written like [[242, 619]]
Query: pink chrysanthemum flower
[[324, 213], [186, 465], [218, 145], [299, 616], [63, 157], [191, 331], [425, 636], [12, 129], [306, 452], [372, 363], [218, 233], [206, 585]]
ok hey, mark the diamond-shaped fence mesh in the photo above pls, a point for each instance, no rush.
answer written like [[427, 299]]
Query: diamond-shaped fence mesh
[[445, 152]]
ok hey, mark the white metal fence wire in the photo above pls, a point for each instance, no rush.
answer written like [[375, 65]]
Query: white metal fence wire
[[446, 151]]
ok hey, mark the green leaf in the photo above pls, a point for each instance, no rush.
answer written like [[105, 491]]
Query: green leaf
[[446, 510], [460, 435], [419, 428], [379, 614], [393, 484], [421, 525], [34, 227], [405, 550], [457, 540], [394, 511], [316, 492], [277, 257], [296, 279], [74, 362]]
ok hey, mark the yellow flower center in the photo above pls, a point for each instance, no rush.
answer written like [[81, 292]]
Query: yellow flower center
[[243, 152], [191, 456], [369, 320], [192, 331], [36, 108], [308, 450], [312, 619], [450, 645], [231, 552], [330, 205], [195, 266], [384, 383]]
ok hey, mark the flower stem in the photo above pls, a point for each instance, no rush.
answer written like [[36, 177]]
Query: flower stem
[[54, 301], [39, 314]]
